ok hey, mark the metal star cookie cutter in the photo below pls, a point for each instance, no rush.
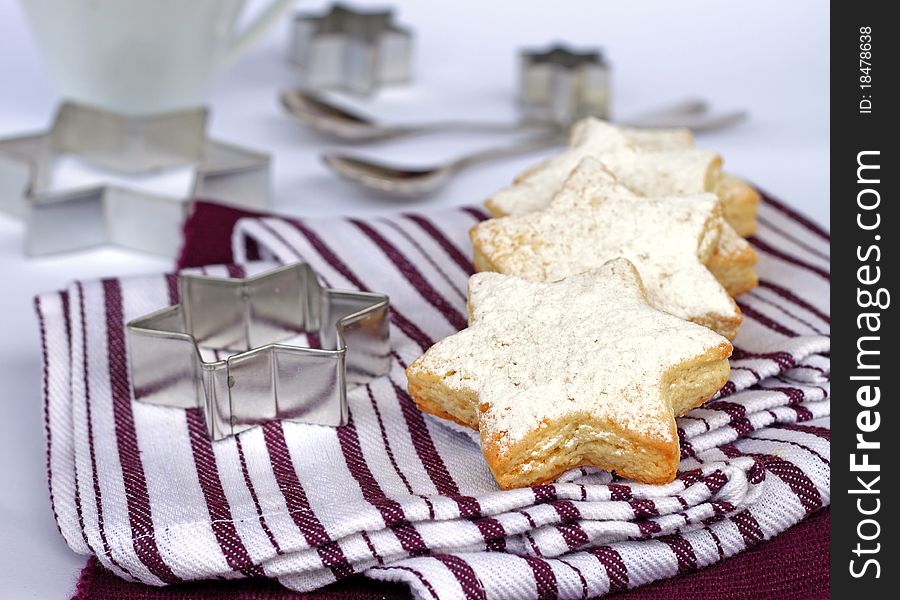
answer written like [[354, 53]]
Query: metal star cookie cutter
[[562, 85], [268, 378], [351, 50], [77, 218]]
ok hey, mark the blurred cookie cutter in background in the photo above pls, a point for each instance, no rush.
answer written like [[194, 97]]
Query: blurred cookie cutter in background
[[561, 85], [268, 379], [350, 50], [63, 220]]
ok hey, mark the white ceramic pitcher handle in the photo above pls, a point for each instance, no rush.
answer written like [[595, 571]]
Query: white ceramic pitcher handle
[[252, 32]]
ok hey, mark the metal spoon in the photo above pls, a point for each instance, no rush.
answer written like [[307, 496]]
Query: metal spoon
[[331, 119], [328, 118], [698, 122], [403, 182], [408, 182]]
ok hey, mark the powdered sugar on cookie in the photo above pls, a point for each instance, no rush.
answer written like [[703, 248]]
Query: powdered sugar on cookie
[[593, 219], [590, 345], [649, 162]]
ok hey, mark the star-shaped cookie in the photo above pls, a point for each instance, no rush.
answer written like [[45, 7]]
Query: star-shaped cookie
[[582, 371], [650, 162], [594, 219]]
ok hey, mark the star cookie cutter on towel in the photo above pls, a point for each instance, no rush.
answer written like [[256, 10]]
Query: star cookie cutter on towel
[[351, 50], [269, 378], [63, 220], [562, 85]]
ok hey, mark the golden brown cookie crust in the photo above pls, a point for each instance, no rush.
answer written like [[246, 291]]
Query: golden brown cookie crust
[[639, 443], [657, 462], [739, 203]]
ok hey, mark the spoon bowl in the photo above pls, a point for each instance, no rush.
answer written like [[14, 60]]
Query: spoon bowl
[[332, 120], [416, 182], [393, 181]]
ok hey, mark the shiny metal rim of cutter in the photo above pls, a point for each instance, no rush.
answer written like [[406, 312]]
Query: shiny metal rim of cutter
[[562, 85], [268, 379], [350, 50], [72, 219]]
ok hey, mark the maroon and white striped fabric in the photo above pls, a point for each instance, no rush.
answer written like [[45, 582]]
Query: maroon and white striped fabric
[[397, 495]]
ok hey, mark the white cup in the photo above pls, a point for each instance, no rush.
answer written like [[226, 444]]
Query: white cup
[[139, 57]]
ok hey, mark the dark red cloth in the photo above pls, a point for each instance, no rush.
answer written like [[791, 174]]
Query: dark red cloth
[[792, 566], [96, 582], [207, 234]]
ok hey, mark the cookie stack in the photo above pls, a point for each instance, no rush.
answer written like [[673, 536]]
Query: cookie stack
[[609, 309]]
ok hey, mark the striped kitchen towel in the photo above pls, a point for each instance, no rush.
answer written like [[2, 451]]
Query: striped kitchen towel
[[398, 495]]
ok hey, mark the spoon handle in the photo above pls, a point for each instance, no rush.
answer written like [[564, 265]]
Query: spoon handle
[[529, 145], [688, 114], [466, 127], [690, 109], [683, 108], [696, 123]]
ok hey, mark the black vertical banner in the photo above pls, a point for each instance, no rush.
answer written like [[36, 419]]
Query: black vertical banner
[[865, 57]]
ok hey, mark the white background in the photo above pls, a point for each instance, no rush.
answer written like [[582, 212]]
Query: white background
[[766, 56]]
